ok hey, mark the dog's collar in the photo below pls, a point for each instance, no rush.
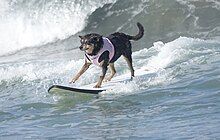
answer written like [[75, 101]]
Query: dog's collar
[[92, 54]]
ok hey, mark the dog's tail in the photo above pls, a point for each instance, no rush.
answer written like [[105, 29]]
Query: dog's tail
[[139, 35]]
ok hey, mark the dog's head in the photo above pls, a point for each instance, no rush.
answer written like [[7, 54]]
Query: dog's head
[[91, 43]]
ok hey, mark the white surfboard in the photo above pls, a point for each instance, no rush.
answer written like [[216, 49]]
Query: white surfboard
[[141, 74]]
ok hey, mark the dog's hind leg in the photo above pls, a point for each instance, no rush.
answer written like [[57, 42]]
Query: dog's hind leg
[[128, 59]]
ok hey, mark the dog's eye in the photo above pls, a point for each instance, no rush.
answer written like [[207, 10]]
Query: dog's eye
[[87, 42], [82, 41]]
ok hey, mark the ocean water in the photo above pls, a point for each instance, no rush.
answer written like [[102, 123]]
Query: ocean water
[[39, 47]]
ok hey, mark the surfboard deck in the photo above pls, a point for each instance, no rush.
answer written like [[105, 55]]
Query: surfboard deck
[[105, 86]]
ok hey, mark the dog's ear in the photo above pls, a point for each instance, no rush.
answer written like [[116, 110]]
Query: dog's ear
[[81, 37]]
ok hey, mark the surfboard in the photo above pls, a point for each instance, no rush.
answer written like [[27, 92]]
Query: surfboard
[[88, 89], [57, 88]]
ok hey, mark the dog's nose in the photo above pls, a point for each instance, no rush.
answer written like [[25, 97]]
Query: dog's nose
[[81, 47]]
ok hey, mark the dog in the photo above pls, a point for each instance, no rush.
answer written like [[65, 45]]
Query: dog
[[104, 51]]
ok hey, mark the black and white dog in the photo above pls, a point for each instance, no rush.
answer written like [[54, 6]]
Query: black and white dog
[[104, 51]]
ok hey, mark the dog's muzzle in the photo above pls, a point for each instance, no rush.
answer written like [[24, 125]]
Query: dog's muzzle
[[82, 48]]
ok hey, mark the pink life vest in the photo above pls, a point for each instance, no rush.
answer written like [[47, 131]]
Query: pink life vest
[[107, 46]]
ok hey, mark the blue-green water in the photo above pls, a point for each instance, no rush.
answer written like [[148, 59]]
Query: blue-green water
[[39, 47]]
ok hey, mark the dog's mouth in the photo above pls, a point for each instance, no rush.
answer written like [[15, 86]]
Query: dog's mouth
[[86, 49]]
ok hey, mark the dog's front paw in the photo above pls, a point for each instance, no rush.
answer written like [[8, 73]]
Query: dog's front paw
[[97, 86], [72, 81]]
